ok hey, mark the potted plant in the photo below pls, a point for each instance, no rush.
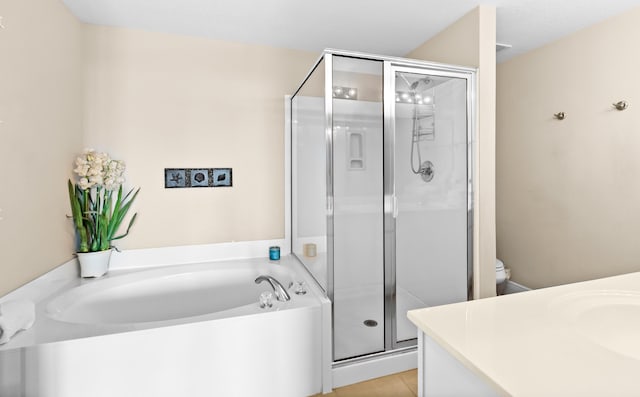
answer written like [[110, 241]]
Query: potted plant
[[98, 207]]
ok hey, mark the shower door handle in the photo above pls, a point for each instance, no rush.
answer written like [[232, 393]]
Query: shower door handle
[[395, 207]]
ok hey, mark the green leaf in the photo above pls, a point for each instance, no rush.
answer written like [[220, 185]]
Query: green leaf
[[133, 219], [104, 241], [113, 225], [97, 217], [120, 211], [76, 205]]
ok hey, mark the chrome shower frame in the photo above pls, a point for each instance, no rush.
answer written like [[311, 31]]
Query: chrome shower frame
[[390, 66], [433, 69]]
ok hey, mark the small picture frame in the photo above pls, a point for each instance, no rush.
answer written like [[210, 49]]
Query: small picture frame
[[199, 177], [222, 177], [175, 177]]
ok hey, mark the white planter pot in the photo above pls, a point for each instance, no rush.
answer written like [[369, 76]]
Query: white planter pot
[[94, 264]]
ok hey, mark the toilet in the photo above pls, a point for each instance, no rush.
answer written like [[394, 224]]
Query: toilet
[[501, 277]]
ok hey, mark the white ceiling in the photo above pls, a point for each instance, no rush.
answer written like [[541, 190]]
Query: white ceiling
[[377, 26]]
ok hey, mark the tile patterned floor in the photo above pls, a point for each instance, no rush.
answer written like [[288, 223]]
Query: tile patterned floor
[[403, 384]]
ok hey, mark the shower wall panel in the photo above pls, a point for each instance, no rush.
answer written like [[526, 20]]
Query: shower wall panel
[[358, 229], [309, 175]]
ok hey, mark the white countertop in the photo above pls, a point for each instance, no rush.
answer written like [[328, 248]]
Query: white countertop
[[579, 339]]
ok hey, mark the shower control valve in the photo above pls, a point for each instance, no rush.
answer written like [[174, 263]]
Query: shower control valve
[[427, 171]]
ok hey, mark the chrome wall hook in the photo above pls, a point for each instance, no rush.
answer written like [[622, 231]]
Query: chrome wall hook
[[621, 105], [559, 115]]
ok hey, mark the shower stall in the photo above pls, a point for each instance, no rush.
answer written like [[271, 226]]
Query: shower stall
[[382, 192]]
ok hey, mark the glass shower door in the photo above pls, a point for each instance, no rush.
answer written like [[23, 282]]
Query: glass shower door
[[427, 192]]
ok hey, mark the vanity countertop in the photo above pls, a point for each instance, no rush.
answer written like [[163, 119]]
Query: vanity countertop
[[579, 339]]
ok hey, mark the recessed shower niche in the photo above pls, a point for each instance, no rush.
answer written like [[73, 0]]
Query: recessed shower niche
[[382, 186]]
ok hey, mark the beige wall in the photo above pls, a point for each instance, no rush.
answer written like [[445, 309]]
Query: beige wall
[[151, 99], [157, 100], [471, 41], [457, 44], [568, 192], [41, 112]]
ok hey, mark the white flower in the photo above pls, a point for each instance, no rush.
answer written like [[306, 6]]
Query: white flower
[[113, 171], [82, 170], [96, 179], [110, 184], [89, 155], [94, 170], [84, 184], [116, 166], [97, 169], [101, 159]]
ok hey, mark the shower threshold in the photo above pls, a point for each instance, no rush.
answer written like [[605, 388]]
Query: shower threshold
[[358, 369]]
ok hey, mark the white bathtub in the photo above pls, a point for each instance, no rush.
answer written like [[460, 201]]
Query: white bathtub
[[188, 330], [189, 292]]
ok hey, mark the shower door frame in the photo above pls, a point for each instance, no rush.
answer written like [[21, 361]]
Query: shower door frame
[[390, 203], [390, 64]]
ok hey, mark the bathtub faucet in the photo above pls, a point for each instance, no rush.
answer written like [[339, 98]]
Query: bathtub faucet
[[278, 289]]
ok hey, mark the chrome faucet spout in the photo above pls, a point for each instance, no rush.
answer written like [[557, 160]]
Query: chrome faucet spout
[[281, 293]]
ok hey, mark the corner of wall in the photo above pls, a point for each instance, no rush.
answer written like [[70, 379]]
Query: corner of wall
[[486, 153], [470, 41], [41, 110]]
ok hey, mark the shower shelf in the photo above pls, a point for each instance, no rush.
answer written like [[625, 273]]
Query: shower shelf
[[427, 107], [426, 134], [425, 115]]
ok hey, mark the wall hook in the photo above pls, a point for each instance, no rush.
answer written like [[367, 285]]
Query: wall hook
[[559, 115], [621, 105]]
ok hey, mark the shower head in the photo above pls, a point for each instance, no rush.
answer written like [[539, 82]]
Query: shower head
[[415, 84]]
